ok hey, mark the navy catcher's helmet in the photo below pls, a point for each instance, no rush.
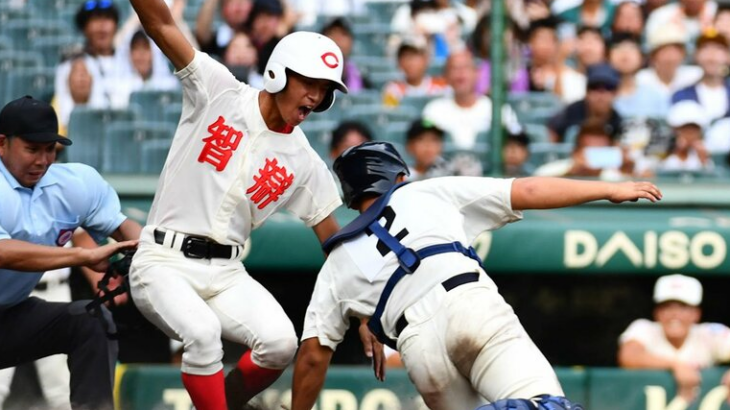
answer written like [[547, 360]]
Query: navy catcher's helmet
[[369, 168]]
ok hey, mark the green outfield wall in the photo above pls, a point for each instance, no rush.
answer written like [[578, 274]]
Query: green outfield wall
[[354, 388]]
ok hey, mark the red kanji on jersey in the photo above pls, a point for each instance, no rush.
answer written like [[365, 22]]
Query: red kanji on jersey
[[270, 183], [219, 147]]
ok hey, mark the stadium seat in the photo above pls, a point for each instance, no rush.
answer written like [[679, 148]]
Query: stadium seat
[[378, 116], [394, 132], [417, 103], [722, 164], [544, 152], [5, 43], [383, 10], [151, 104], [171, 113], [319, 135], [52, 8], [88, 128], [369, 64], [379, 70], [364, 97], [154, 154], [537, 132], [380, 79], [9, 13], [13, 61], [122, 148], [37, 82], [52, 48], [534, 107], [371, 39], [23, 32]]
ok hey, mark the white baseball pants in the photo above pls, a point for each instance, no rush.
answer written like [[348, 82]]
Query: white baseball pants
[[467, 345], [196, 301]]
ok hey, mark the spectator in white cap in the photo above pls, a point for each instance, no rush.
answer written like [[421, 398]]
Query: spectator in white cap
[[676, 340], [689, 120], [666, 71], [692, 16]]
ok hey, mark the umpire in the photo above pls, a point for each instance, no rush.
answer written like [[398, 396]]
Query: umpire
[[41, 204]]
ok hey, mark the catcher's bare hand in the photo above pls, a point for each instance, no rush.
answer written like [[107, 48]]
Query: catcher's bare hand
[[98, 258], [373, 349], [633, 191]]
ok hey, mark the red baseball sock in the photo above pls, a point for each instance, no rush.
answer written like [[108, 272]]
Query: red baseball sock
[[256, 378], [247, 380], [206, 392]]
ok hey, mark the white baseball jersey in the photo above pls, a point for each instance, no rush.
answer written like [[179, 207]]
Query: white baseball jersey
[[435, 211], [226, 171], [707, 343]]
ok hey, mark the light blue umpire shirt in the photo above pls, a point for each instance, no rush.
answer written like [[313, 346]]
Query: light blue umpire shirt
[[68, 196]]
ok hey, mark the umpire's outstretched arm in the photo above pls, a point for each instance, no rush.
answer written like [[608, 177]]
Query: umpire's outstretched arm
[[25, 256]]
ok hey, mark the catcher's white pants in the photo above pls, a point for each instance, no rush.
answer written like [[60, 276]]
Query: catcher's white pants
[[197, 301], [467, 345], [53, 373]]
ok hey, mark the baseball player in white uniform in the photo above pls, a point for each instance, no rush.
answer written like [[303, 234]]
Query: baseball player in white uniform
[[237, 158], [404, 262]]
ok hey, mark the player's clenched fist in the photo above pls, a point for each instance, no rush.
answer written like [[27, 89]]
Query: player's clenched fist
[[633, 191]]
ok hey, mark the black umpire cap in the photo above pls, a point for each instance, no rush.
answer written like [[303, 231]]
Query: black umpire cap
[[32, 120]]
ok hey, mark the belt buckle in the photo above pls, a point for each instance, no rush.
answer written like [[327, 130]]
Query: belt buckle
[[189, 244]]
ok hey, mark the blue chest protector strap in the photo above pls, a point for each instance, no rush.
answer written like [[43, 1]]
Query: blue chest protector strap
[[408, 259], [359, 224], [375, 324]]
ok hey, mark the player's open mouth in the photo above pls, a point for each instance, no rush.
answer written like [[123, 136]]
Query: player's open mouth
[[304, 111]]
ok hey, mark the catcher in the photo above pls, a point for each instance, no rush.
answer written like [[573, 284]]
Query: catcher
[[406, 264]]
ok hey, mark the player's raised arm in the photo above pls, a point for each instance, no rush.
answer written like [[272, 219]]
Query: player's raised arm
[[548, 193], [158, 23]]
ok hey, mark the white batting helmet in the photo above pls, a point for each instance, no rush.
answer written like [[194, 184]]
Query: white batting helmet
[[310, 55]]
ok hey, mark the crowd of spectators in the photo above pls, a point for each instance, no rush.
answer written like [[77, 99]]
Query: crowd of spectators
[[624, 66]]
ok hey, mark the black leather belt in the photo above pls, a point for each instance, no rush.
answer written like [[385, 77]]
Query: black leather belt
[[449, 284], [45, 285], [197, 247]]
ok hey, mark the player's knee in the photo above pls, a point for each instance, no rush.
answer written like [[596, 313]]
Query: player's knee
[[276, 353], [202, 338], [203, 347]]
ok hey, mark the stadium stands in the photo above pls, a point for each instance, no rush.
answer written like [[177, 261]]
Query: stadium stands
[[34, 38]]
